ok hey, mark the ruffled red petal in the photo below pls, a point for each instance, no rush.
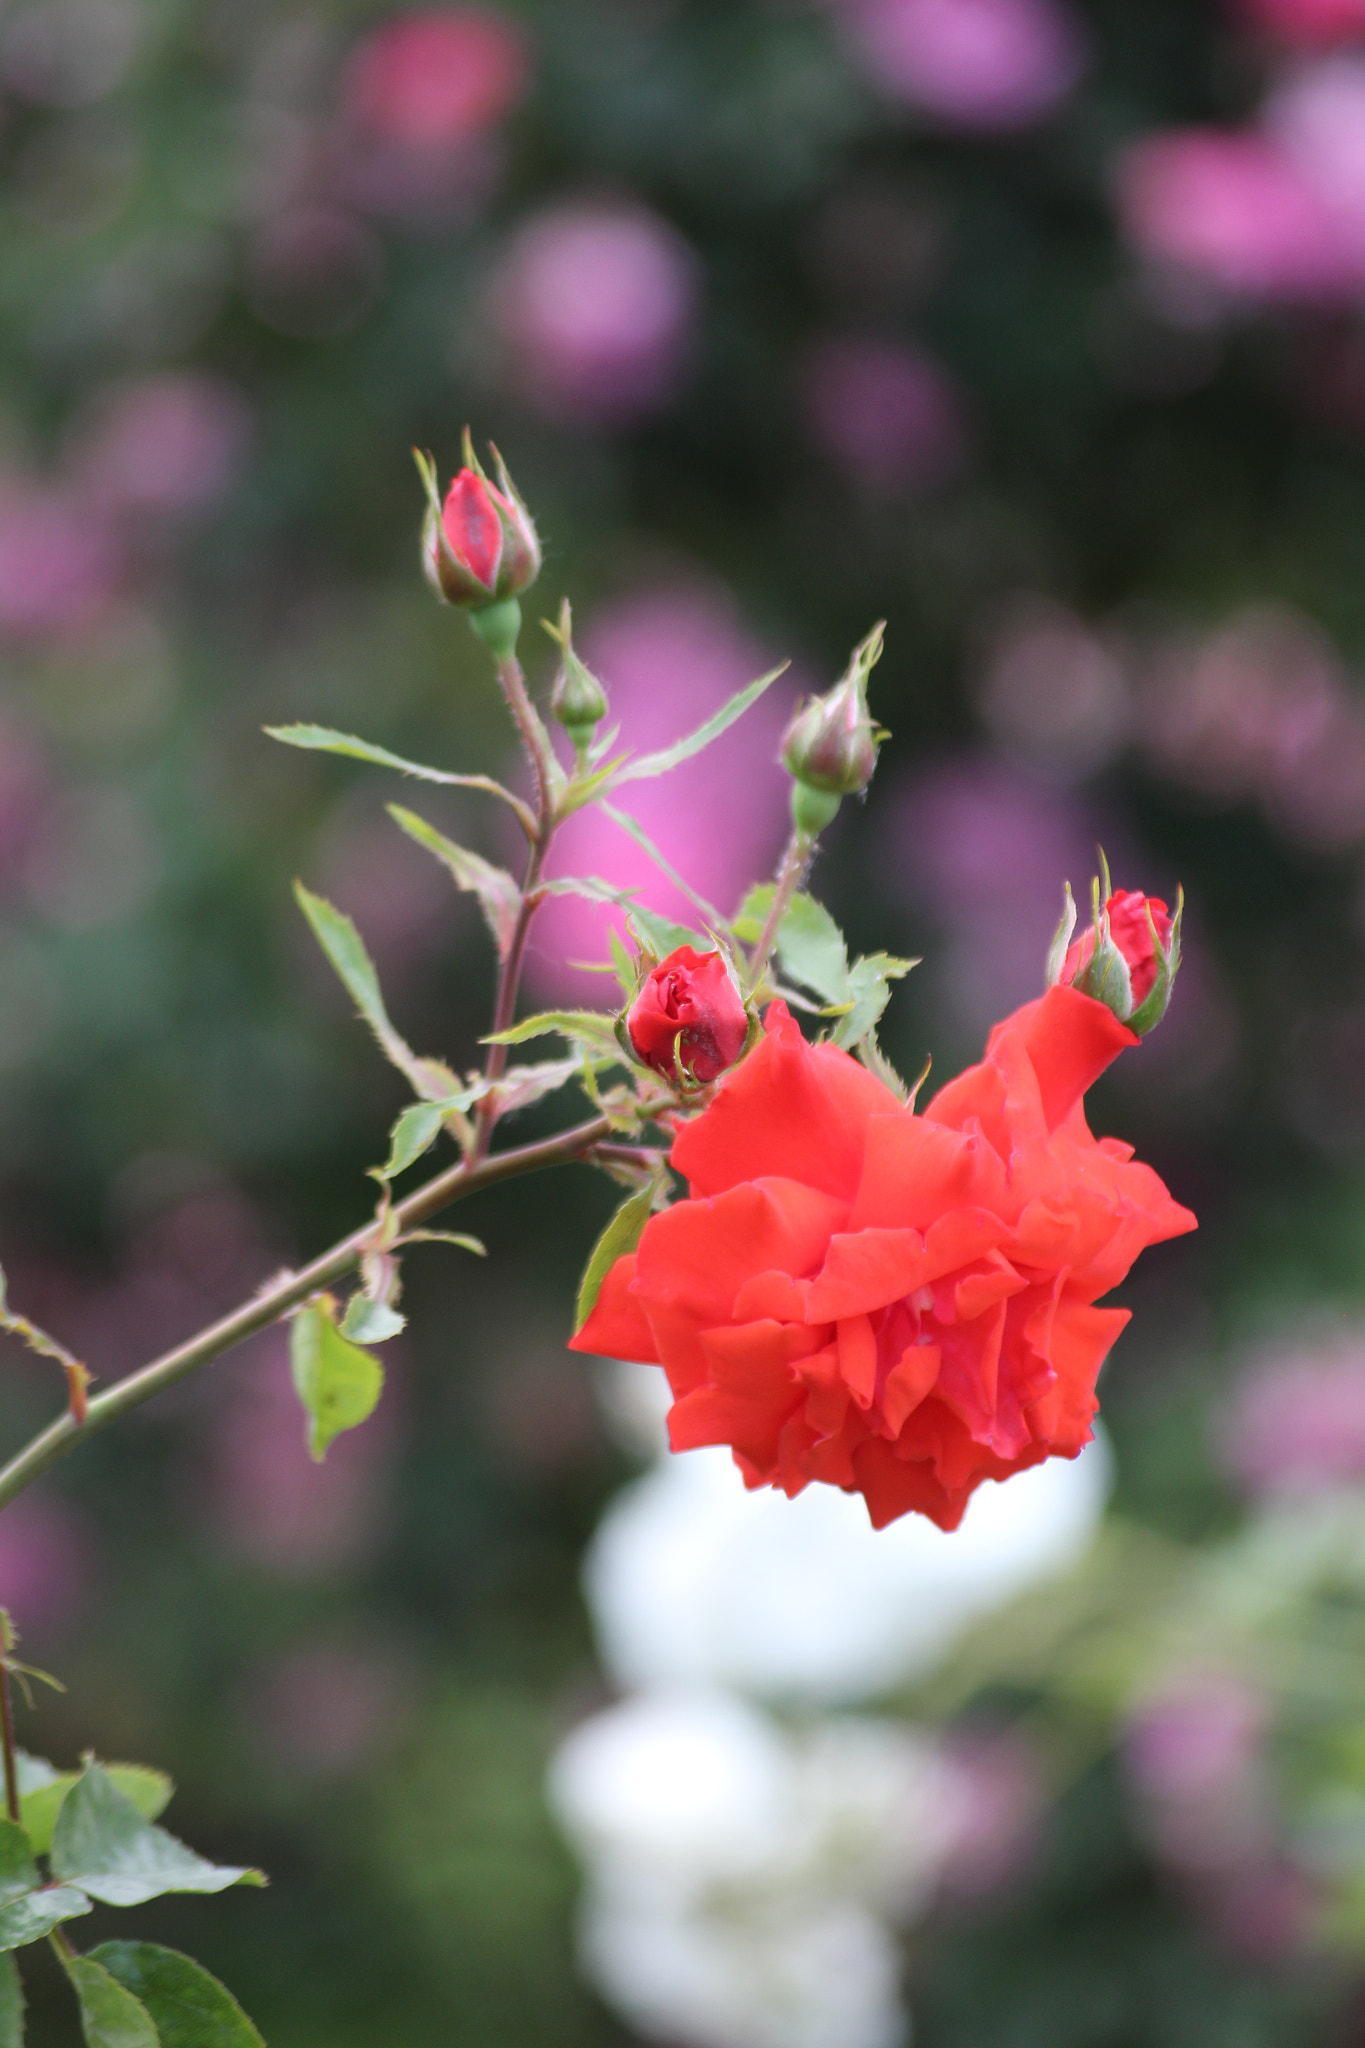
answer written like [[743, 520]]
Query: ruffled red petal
[[791, 1109]]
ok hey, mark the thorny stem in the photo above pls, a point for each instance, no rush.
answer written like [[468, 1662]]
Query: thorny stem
[[536, 742], [800, 847], [7, 1739], [285, 1293]]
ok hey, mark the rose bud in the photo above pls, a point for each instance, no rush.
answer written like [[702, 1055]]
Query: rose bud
[[830, 747], [479, 548], [688, 1021], [1128, 959], [577, 699]]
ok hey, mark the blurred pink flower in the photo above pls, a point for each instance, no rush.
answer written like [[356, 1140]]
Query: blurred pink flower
[[58, 565], [46, 1562], [973, 64], [594, 305], [888, 415], [669, 658], [1263, 710], [327, 1706], [1237, 210], [422, 99], [165, 446], [402, 900], [1317, 116], [436, 77], [1306, 22], [1297, 1420], [984, 850], [1194, 1753], [261, 1494], [1051, 692], [999, 1792]]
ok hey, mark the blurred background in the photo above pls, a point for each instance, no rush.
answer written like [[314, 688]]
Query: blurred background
[[1036, 327]]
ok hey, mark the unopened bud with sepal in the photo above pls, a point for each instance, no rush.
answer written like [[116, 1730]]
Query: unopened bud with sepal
[[480, 549], [577, 698], [830, 747], [1129, 957]]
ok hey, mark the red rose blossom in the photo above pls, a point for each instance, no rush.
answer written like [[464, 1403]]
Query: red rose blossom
[[899, 1304], [1131, 931], [689, 1011], [483, 548]]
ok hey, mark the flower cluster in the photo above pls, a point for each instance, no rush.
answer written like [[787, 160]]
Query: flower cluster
[[902, 1305]]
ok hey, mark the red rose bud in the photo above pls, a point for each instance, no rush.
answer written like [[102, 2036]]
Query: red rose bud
[[689, 1021], [478, 548], [1128, 959], [577, 699], [830, 747]]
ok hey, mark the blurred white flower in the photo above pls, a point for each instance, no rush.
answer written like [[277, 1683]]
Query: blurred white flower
[[825, 1977], [694, 1581], [742, 1877]]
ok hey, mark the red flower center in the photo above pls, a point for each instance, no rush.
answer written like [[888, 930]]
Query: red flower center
[[472, 527]]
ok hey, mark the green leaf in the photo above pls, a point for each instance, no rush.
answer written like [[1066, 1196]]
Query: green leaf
[[518, 1087], [499, 897], [110, 2016], [338, 1384], [459, 1238], [191, 2009], [371, 1322], [810, 945], [415, 1132], [345, 948], [590, 1027], [42, 1790], [581, 789], [624, 966], [621, 1235], [665, 866], [682, 750], [321, 739], [869, 981], [102, 1843], [29, 1908], [11, 2004]]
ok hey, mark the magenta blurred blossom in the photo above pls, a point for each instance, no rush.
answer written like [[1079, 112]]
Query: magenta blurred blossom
[[999, 1796], [1194, 1754], [890, 416], [972, 64], [1307, 23], [1237, 210], [58, 564], [1317, 116], [262, 1496], [46, 1562], [1297, 1420], [594, 305], [422, 100], [165, 446], [436, 77], [1195, 1738], [669, 658], [983, 850], [326, 1706], [1263, 710], [401, 899], [1052, 693]]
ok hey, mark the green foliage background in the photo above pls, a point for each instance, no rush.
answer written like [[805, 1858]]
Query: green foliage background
[[188, 1044]]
